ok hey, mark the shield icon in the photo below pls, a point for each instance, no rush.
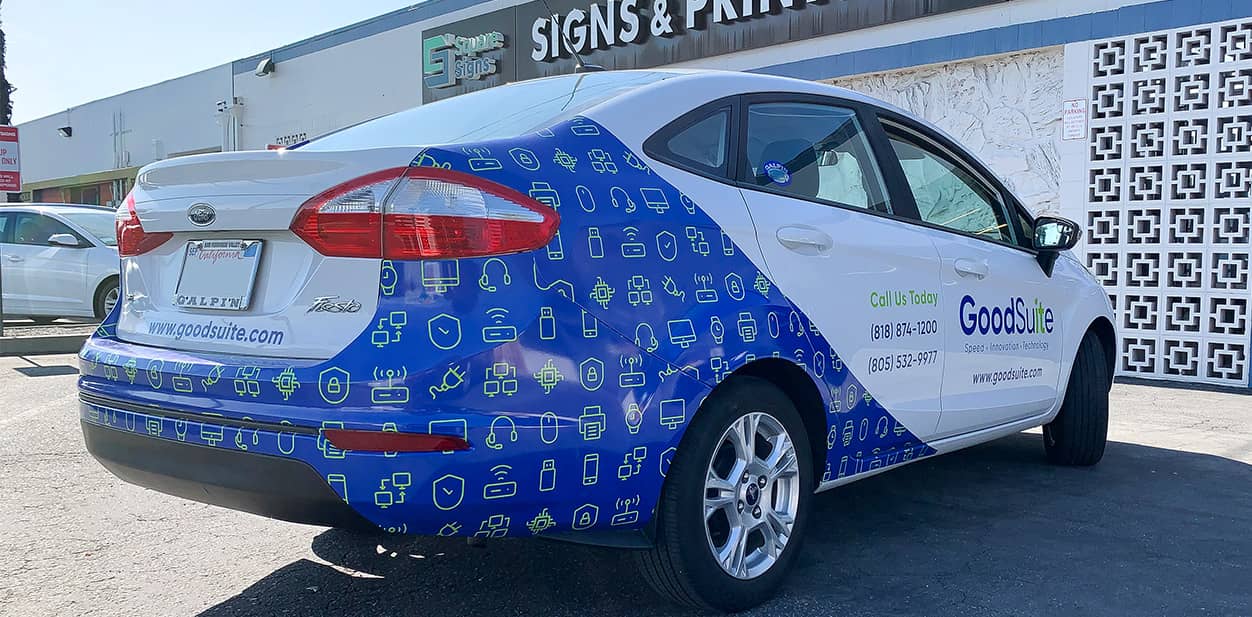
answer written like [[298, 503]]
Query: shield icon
[[445, 331], [448, 492], [333, 384]]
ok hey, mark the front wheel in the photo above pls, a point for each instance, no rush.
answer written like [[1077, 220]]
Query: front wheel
[[735, 504], [1078, 434]]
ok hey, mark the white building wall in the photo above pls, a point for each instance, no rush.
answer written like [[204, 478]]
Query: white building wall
[[130, 129], [1006, 109], [342, 85]]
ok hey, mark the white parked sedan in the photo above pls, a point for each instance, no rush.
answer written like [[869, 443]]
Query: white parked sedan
[[58, 260]]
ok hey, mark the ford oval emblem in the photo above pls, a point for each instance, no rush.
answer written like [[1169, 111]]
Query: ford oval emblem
[[201, 214]]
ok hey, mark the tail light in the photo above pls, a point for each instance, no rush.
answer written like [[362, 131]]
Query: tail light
[[131, 238], [423, 213]]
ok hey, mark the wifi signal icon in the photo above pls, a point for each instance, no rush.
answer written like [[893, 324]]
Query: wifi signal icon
[[497, 331], [502, 487], [632, 248]]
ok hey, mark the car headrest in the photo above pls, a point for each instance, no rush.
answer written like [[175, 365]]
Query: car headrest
[[798, 156]]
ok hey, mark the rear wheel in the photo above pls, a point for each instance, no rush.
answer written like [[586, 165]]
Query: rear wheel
[[735, 503], [1078, 434], [106, 298]]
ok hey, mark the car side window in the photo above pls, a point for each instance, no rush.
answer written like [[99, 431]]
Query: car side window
[[698, 141], [704, 142], [812, 151], [947, 194], [1028, 230], [5, 228], [35, 229]]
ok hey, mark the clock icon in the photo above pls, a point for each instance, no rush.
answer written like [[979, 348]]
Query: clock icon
[[718, 330]]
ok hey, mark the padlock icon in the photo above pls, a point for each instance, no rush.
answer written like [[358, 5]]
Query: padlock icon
[[585, 516], [591, 373]]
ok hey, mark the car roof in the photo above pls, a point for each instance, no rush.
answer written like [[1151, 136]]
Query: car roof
[[53, 208]]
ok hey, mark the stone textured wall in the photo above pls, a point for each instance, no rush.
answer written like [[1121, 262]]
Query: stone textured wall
[[1006, 109]]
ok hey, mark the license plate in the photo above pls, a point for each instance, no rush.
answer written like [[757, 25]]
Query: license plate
[[218, 274]]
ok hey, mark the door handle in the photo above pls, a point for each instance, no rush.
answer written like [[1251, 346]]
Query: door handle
[[804, 239], [969, 267], [14, 257]]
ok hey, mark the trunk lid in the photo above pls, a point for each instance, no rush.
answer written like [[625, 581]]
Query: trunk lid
[[302, 304]]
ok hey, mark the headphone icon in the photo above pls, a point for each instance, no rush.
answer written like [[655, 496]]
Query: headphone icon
[[626, 200], [492, 441], [484, 281], [794, 323], [652, 343]]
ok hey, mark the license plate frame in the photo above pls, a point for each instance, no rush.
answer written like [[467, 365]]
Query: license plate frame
[[227, 263]]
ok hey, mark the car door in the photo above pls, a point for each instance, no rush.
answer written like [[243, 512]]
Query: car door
[[826, 227], [16, 300], [52, 278], [1002, 340]]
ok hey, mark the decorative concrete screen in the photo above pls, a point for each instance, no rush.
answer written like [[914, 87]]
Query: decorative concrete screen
[[1169, 172]]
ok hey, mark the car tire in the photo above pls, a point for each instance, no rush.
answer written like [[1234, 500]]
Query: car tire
[[109, 286], [1078, 434], [682, 565]]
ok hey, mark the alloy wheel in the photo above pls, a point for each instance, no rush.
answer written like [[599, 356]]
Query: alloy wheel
[[751, 495]]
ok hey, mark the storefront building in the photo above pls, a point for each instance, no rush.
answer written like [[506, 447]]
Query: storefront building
[[1133, 117]]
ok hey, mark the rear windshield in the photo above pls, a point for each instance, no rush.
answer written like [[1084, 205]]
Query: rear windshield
[[494, 113]]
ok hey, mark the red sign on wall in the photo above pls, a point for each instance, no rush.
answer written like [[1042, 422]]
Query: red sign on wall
[[10, 162]]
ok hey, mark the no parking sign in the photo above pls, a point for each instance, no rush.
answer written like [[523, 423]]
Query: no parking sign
[[10, 162]]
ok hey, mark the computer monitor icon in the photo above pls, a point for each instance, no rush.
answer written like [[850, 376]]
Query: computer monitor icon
[[440, 275], [673, 413], [682, 332]]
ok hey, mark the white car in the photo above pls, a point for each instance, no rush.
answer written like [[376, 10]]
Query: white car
[[647, 309], [59, 260]]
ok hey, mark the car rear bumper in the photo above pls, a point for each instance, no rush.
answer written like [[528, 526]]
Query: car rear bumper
[[271, 486]]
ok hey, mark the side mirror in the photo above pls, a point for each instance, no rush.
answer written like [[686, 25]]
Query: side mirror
[[1053, 235], [68, 240]]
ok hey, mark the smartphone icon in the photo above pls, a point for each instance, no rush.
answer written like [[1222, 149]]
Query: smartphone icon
[[591, 469], [591, 328], [556, 251]]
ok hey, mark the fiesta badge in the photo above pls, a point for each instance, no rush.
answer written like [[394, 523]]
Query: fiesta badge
[[201, 214]]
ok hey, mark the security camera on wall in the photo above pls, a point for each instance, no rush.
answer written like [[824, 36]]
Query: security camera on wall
[[265, 67]]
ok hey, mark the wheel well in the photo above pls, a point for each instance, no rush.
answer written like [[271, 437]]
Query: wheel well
[[794, 382], [1103, 330]]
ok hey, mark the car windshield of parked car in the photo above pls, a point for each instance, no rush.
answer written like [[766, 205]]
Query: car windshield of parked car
[[494, 113], [101, 225]]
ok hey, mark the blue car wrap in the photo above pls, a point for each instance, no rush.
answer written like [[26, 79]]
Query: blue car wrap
[[572, 371]]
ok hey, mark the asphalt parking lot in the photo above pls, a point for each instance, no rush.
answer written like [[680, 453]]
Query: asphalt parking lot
[[1161, 527]]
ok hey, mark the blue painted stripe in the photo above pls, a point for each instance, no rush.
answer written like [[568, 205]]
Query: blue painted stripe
[[1118, 22], [376, 25]]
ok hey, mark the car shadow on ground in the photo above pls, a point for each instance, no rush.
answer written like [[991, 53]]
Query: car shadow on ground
[[990, 530]]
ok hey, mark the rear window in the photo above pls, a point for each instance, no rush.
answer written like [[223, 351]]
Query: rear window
[[102, 225], [494, 113]]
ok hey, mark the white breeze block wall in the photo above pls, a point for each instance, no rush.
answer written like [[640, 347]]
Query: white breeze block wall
[[1162, 188]]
